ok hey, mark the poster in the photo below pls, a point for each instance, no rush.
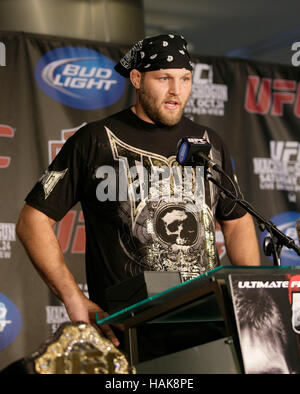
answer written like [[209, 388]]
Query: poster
[[267, 312]]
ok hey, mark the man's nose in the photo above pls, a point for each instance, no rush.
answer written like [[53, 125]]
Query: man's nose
[[174, 87]]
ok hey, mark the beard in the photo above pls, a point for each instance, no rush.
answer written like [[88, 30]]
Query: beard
[[156, 112]]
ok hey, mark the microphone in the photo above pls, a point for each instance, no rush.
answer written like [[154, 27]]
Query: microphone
[[193, 151], [298, 229]]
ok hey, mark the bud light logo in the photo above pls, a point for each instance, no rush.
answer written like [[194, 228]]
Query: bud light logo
[[286, 223], [79, 77], [10, 321]]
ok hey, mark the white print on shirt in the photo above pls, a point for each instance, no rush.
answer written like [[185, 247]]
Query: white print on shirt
[[166, 233], [50, 179]]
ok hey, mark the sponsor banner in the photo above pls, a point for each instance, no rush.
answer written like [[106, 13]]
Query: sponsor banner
[[79, 77], [7, 236], [281, 170], [253, 106], [6, 131], [207, 97], [270, 96], [267, 311], [10, 321], [65, 84]]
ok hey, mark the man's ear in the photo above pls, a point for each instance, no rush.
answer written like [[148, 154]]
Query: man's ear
[[135, 78]]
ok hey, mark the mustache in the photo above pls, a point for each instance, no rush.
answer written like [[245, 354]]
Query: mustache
[[173, 99]]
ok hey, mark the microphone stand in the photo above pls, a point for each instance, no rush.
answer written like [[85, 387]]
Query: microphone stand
[[272, 244]]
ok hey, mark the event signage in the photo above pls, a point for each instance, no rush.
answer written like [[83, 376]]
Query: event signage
[[10, 321], [267, 312], [79, 77]]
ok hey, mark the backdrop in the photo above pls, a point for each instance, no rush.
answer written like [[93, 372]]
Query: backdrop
[[50, 86]]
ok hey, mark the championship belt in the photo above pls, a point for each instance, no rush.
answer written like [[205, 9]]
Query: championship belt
[[78, 348]]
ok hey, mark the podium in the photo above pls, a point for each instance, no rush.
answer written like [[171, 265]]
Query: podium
[[209, 297]]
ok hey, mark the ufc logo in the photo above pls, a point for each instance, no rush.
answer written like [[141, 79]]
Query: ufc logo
[[288, 151], [7, 132], [267, 96]]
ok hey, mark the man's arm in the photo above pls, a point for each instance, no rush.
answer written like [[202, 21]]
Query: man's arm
[[35, 230], [241, 240]]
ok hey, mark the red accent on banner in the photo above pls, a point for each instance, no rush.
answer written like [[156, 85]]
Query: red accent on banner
[[6, 131], [294, 286], [260, 97], [284, 84], [65, 229], [4, 161], [262, 104], [79, 238], [297, 104], [279, 99]]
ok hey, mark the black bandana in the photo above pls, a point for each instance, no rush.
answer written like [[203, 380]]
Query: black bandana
[[155, 53]]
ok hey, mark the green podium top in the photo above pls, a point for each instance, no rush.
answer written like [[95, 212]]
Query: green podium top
[[201, 309]]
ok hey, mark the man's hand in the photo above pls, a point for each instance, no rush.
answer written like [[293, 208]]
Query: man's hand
[[80, 308]]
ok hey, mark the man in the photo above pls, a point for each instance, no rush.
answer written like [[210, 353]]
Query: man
[[126, 234]]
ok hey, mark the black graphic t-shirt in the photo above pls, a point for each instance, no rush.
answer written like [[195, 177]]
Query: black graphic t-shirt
[[142, 210]]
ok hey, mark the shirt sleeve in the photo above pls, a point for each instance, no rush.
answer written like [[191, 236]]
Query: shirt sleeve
[[60, 187], [227, 209]]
